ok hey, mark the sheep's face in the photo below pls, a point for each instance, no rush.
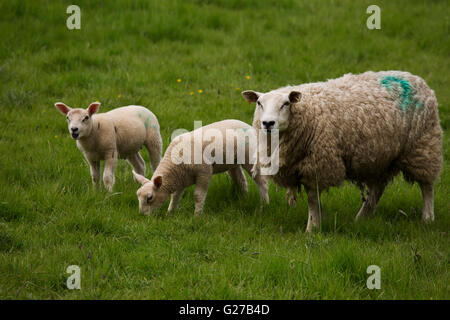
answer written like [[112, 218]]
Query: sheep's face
[[150, 195], [273, 108], [79, 121]]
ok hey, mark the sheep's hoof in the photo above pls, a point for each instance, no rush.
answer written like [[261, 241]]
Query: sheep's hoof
[[364, 213], [427, 217]]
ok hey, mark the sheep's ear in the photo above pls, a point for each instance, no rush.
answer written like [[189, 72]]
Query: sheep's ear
[[62, 108], [140, 178], [93, 108], [157, 181], [295, 96], [251, 96]]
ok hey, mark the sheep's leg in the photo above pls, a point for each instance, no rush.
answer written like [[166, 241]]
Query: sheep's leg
[[291, 196], [154, 148], [237, 175], [137, 163], [428, 201], [174, 200], [201, 189], [94, 166], [110, 168], [370, 200], [314, 210]]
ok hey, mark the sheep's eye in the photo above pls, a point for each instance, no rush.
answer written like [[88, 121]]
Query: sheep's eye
[[149, 198], [260, 105], [284, 105], [67, 118], [85, 118]]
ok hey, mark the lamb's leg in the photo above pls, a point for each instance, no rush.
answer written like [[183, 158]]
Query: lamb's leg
[[201, 189], [370, 201], [174, 200], [154, 148], [262, 183], [428, 201], [314, 210], [110, 168], [137, 163], [237, 175], [95, 172]]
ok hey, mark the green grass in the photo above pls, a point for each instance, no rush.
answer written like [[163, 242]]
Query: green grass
[[51, 218]]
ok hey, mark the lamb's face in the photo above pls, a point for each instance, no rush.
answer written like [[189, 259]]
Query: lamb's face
[[79, 121], [150, 195], [273, 108]]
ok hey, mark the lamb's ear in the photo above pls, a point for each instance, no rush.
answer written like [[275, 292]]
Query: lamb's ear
[[250, 95], [157, 181], [140, 178], [93, 108], [62, 108], [295, 96]]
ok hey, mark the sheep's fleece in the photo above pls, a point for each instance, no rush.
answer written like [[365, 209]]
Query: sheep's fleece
[[365, 128]]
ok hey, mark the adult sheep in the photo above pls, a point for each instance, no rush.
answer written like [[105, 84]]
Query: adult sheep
[[116, 134], [364, 128]]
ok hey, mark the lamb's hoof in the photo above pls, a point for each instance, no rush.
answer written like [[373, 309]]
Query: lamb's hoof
[[311, 229]]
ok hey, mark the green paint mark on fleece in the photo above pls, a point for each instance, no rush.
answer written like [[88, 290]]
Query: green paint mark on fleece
[[407, 98], [148, 122]]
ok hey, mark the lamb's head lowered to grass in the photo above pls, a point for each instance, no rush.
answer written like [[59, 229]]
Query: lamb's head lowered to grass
[[151, 195], [273, 107], [78, 120]]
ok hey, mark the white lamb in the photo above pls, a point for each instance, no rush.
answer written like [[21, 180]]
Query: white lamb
[[219, 145], [119, 133]]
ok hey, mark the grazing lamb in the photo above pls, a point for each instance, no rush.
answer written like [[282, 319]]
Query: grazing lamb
[[364, 128], [192, 158], [119, 133]]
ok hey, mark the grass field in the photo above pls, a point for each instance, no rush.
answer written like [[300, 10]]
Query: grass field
[[133, 52]]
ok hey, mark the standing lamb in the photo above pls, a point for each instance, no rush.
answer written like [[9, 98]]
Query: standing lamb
[[119, 133], [364, 128], [193, 157]]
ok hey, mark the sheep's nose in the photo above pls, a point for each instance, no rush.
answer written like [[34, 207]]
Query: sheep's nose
[[75, 129], [268, 124]]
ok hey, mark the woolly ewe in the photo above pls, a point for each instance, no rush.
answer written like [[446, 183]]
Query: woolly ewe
[[173, 175], [364, 128], [119, 133]]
